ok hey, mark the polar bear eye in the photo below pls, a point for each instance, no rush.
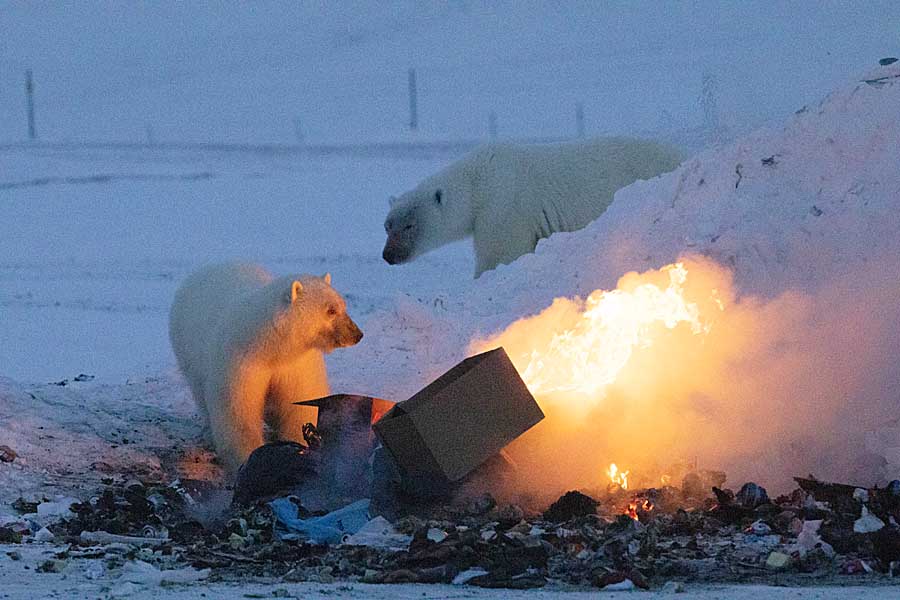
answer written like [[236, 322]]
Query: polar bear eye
[[332, 311], [438, 195]]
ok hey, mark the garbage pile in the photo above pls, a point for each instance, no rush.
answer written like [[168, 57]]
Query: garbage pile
[[378, 495], [820, 532]]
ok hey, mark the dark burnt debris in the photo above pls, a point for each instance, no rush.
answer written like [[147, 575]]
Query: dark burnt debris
[[624, 539]]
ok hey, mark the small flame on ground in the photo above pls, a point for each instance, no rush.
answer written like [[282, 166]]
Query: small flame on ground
[[638, 505], [588, 357], [620, 478]]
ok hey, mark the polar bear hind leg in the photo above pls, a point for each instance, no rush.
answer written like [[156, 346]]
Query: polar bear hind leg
[[236, 420]]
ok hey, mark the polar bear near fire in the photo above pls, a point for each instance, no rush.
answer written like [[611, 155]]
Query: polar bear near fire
[[509, 196], [250, 345]]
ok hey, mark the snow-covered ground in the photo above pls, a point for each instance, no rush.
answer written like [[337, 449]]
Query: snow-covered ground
[[85, 579]]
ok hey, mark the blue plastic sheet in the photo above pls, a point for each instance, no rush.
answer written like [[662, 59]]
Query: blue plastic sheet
[[327, 529]]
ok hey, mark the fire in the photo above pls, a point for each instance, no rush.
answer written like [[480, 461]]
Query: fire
[[587, 358], [638, 505], [619, 478]]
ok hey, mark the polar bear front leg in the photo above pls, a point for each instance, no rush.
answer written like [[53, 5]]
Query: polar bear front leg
[[304, 379], [497, 244], [236, 414]]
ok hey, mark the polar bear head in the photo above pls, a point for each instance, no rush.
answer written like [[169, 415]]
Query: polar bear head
[[314, 315], [438, 211]]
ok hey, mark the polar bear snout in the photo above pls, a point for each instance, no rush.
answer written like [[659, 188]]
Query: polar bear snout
[[395, 251], [347, 333]]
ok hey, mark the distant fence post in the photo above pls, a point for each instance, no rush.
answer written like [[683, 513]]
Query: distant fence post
[[298, 131], [29, 99], [492, 124], [413, 102], [579, 119]]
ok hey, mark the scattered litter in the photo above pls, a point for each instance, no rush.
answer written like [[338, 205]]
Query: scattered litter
[[467, 575], [571, 504], [867, 523], [328, 529], [143, 573], [379, 533], [809, 539], [7, 454], [758, 528], [752, 495], [103, 537], [47, 513], [436, 535], [778, 561], [625, 585]]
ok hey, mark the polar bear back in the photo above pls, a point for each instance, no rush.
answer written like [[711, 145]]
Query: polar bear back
[[564, 186], [200, 305], [528, 192]]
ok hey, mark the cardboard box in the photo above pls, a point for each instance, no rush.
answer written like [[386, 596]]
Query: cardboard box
[[460, 420]]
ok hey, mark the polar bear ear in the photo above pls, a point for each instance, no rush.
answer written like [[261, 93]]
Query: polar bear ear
[[327, 278], [296, 291]]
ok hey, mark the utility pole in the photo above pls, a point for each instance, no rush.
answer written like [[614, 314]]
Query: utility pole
[[29, 99], [579, 119], [413, 102]]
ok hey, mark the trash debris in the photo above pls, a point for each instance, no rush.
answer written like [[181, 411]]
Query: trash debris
[[277, 468], [7, 454], [103, 537], [379, 533], [809, 539], [468, 575], [49, 512], [571, 504], [436, 535], [867, 523], [778, 561], [752, 495], [758, 528], [143, 573], [328, 529]]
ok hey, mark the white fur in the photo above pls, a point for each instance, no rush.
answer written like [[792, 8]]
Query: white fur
[[251, 345], [509, 196]]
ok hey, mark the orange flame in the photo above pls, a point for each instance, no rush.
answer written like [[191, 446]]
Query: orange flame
[[620, 478], [635, 505], [588, 357]]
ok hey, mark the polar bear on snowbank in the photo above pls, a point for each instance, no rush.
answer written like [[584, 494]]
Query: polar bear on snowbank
[[509, 196], [251, 345]]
